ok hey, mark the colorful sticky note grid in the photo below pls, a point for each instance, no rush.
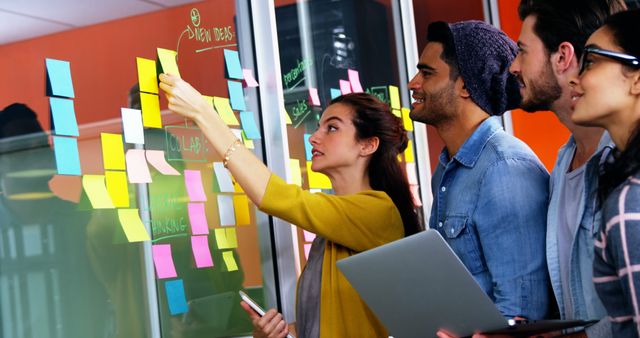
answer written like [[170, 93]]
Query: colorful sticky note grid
[[232, 62], [118, 188], [224, 110], [132, 225], [354, 79], [67, 156], [345, 87], [198, 219], [317, 180], [59, 78], [394, 96], [150, 110], [147, 77], [112, 151], [236, 95], [308, 236], [132, 125], [163, 261], [314, 100], [226, 238], [176, 298], [411, 173], [157, 160], [64, 117], [241, 209], [335, 93], [225, 210], [168, 61], [223, 176], [195, 189], [201, 251], [249, 125], [229, 261], [95, 188], [137, 169], [408, 153], [249, 80], [308, 147], [296, 173], [406, 120]]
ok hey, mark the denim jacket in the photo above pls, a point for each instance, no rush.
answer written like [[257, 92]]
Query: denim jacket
[[585, 301], [490, 204]]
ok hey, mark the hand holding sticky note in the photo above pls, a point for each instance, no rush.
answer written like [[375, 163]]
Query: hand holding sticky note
[[168, 61]]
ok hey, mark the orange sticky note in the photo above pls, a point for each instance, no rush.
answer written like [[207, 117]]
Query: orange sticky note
[[241, 208]]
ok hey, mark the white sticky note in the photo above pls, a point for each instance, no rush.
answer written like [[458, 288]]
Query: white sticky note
[[132, 125], [137, 169], [223, 176], [225, 209]]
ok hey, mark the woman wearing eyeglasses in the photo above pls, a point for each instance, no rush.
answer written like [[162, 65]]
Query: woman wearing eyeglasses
[[607, 94]]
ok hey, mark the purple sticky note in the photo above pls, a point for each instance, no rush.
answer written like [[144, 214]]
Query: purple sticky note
[[345, 87], [163, 261], [198, 219], [193, 181], [201, 251], [313, 96], [354, 78]]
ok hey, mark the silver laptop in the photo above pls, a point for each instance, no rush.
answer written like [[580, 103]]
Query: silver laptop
[[417, 285]]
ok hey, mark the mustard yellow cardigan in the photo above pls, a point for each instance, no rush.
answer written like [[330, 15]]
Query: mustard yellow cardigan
[[350, 224]]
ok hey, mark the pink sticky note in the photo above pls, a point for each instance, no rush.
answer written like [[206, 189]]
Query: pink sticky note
[[307, 248], [313, 96], [156, 159], [249, 80], [198, 219], [411, 173], [354, 78], [201, 251], [345, 87], [137, 169], [415, 194], [308, 236], [193, 181], [163, 261]]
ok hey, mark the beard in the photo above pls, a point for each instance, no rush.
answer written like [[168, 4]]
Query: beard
[[438, 107], [543, 91]]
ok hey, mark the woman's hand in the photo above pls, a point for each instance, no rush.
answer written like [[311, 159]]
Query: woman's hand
[[183, 98], [271, 325]]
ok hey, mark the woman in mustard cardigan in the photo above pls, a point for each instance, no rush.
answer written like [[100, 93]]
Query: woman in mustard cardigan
[[356, 146]]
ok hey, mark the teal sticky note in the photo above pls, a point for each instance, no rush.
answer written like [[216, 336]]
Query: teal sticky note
[[59, 78], [232, 60], [236, 95], [67, 156], [175, 297], [335, 93], [307, 146], [64, 117], [249, 125]]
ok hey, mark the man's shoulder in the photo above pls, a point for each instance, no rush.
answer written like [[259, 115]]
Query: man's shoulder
[[503, 146]]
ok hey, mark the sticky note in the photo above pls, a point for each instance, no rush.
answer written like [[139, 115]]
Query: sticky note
[[157, 160], [226, 238], [308, 236], [296, 173], [147, 77], [335, 93], [345, 87], [394, 96], [247, 141], [168, 61], [406, 120], [415, 194], [198, 219], [59, 78], [224, 110], [132, 225], [195, 189], [67, 156], [176, 298], [229, 261], [232, 62], [317, 180], [201, 251], [354, 79], [150, 110], [64, 117], [408, 153], [117, 188], [314, 100], [411, 173], [307, 146], [132, 125], [163, 261], [241, 209], [96, 189], [223, 176], [396, 112], [287, 118], [112, 151], [249, 125], [225, 210], [307, 249], [236, 95], [249, 80], [137, 169]]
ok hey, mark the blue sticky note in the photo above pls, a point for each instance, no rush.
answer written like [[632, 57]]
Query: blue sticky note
[[59, 78], [232, 60], [64, 116], [236, 95], [335, 93], [249, 125], [67, 156], [176, 297], [307, 146]]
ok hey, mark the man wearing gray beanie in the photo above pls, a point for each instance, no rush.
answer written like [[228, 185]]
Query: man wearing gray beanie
[[489, 190]]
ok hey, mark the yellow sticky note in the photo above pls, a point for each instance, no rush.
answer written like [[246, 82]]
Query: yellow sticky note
[[317, 180], [96, 190], [150, 110], [224, 110], [112, 151], [406, 120], [296, 174], [226, 238], [408, 153], [394, 95], [241, 208], [147, 75], [247, 141], [132, 225], [168, 61], [229, 261], [397, 112], [237, 187], [118, 188], [287, 118]]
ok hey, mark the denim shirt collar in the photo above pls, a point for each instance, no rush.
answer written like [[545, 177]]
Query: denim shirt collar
[[471, 149]]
